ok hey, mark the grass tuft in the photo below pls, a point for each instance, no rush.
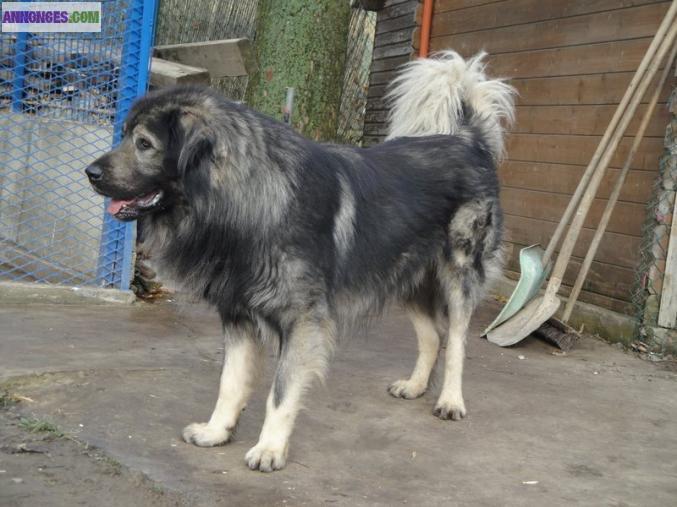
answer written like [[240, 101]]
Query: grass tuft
[[113, 466], [34, 425]]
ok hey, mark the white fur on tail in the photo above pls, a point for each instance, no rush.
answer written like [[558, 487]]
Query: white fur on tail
[[429, 94]]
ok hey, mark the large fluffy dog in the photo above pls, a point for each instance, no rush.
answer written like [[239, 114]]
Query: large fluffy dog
[[289, 239]]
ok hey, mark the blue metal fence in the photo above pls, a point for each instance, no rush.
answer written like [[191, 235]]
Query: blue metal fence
[[63, 98]]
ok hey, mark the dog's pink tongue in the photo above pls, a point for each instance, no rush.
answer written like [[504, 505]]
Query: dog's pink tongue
[[116, 205]]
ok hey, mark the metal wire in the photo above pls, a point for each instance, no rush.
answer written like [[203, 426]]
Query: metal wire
[[63, 97], [650, 273]]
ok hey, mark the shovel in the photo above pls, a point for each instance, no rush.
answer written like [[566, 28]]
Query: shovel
[[537, 311], [558, 331], [532, 275]]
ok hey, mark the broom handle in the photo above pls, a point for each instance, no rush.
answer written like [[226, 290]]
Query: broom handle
[[586, 201], [587, 175], [618, 185]]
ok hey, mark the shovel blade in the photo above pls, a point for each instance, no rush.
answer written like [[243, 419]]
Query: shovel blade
[[532, 274], [525, 322]]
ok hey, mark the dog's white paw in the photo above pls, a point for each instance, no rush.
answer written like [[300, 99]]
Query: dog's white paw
[[454, 410], [204, 435], [406, 389], [266, 458]]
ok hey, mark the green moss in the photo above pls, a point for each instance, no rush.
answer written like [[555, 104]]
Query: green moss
[[34, 425], [113, 466], [302, 45]]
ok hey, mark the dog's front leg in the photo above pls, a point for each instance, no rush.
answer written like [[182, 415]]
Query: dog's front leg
[[242, 354], [303, 355]]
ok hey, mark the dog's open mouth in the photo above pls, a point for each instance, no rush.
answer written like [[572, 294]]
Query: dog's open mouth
[[131, 209]]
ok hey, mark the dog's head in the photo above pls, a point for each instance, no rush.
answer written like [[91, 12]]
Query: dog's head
[[165, 135]]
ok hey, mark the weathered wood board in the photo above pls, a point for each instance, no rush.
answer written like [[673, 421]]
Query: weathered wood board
[[667, 316], [166, 73], [571, 62], [222, 58]]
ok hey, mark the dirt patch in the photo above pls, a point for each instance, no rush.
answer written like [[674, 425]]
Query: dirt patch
[[40, 465], [543, 429]]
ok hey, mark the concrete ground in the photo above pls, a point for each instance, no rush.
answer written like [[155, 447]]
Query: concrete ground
[[594, 427]]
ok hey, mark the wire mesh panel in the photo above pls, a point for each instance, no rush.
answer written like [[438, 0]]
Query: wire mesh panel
[[63, 98], [651, 272]]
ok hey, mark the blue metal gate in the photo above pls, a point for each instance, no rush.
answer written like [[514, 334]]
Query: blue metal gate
[[63, 98]]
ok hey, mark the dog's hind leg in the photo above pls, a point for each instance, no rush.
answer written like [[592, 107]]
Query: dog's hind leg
[[450, 404], [463, 275], [422, 317], [303, 355], [242, 356]]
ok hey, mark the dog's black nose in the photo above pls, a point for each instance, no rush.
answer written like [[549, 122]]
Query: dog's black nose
[[94, 172]]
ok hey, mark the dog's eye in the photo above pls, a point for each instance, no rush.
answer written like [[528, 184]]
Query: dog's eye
[[143, 144]]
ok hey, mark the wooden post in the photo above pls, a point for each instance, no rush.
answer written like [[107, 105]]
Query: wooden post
[[667, 315]]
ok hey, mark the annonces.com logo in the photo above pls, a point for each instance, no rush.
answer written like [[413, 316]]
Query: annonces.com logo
[[51, 16]]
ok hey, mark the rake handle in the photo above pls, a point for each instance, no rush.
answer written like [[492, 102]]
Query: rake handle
[[618, 185], [586, 201], [620, 110]]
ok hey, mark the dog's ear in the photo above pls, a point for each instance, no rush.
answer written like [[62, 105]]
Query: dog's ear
[[197, 143]]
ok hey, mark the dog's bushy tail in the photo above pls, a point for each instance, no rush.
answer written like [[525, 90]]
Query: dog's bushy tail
[[444, 94]]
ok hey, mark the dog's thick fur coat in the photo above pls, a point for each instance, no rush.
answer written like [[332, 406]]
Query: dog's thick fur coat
[[290, 239]]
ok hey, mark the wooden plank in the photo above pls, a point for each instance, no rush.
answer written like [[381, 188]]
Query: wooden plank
[[389, 3], [403, 48], [605, 88], [376, 92], [384, 39], [545, 176], [563, 179], [616, 249], [615, 56], [616, 305], [606, 279], [388, 64], [222, 58], [440, 6], [578, 150], [631, 23], [382, 77], [375, 116], [375, 129], [376, 103], [627, 217], [396, 10], [513, 12], [454, 5], [406, 22], [584, 120], [166, 73], [599, 89], [667, 315]]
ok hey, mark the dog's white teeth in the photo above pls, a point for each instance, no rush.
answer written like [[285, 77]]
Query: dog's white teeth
[[151, 200], [155, 199]]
